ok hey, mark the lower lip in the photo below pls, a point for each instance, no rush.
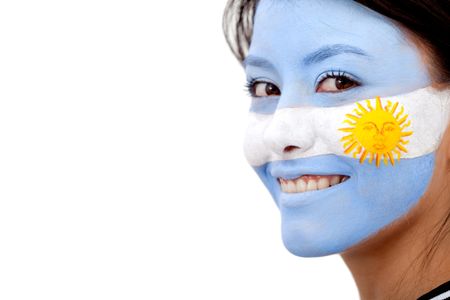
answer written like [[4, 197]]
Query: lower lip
[[307, 198]]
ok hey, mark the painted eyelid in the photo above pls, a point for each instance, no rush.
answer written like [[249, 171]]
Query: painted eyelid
[[251, 80]]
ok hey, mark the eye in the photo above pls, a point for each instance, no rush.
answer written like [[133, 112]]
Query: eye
[[262, 89], [335, 83], [368, 127]]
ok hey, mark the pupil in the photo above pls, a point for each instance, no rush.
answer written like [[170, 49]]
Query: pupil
[[271, 89], [343, 83]]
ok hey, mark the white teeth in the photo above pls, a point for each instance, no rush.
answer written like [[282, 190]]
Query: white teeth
[[301, 185], [310, 183], [283, 185], [323, 183], [335, 180], [291, 188]]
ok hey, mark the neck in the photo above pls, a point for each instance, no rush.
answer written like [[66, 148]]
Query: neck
[[408, 258]]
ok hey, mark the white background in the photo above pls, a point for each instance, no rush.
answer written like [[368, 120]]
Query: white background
[[122, 174]]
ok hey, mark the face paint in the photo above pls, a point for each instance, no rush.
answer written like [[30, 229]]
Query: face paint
[[413, 129], [379, 136], [376, 132]]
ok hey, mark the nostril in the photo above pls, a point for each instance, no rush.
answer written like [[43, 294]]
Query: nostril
[[290, 148]]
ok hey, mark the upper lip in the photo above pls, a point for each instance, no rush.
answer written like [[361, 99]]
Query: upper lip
[[296, 177], [287, 174]]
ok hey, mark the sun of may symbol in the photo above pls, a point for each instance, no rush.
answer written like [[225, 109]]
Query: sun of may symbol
[[376, 133]]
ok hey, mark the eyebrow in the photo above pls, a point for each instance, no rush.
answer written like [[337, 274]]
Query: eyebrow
[[328, 51], [317, 56], [256, 61]]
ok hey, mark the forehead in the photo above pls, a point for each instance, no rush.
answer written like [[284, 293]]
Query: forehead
[[305, 25]]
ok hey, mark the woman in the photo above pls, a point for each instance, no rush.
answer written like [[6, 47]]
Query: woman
[[349, 132]]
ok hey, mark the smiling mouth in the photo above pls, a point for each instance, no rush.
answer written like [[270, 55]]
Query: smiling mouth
[[308, 183], [379, 146]]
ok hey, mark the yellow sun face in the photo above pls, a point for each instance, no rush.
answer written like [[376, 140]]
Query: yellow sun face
[[376, 133]]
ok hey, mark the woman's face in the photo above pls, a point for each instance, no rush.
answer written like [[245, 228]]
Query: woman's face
[[339, 168]]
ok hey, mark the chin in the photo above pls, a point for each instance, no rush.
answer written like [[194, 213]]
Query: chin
[[307, 240]]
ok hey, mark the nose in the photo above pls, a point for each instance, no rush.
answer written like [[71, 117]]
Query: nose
[[289, 131], [379, 135], [291, 148]]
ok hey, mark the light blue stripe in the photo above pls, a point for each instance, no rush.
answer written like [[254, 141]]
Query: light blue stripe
[[384, 62], [332, 220]]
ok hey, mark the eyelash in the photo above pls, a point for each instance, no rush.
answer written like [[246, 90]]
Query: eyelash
[[251, 82], [335, 74], [249, 85]]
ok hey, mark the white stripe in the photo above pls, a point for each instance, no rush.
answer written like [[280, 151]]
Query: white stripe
[[443, 296], [428, 110]]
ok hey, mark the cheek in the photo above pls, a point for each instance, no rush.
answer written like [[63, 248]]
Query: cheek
[[255, 149], [383, 195], [395, 187]]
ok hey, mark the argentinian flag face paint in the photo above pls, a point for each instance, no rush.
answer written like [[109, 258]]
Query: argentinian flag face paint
[[344, 124]]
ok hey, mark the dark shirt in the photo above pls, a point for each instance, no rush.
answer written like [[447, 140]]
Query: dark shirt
[[442, 292]]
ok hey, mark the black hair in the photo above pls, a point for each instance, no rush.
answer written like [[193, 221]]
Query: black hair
[[427, 20]]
